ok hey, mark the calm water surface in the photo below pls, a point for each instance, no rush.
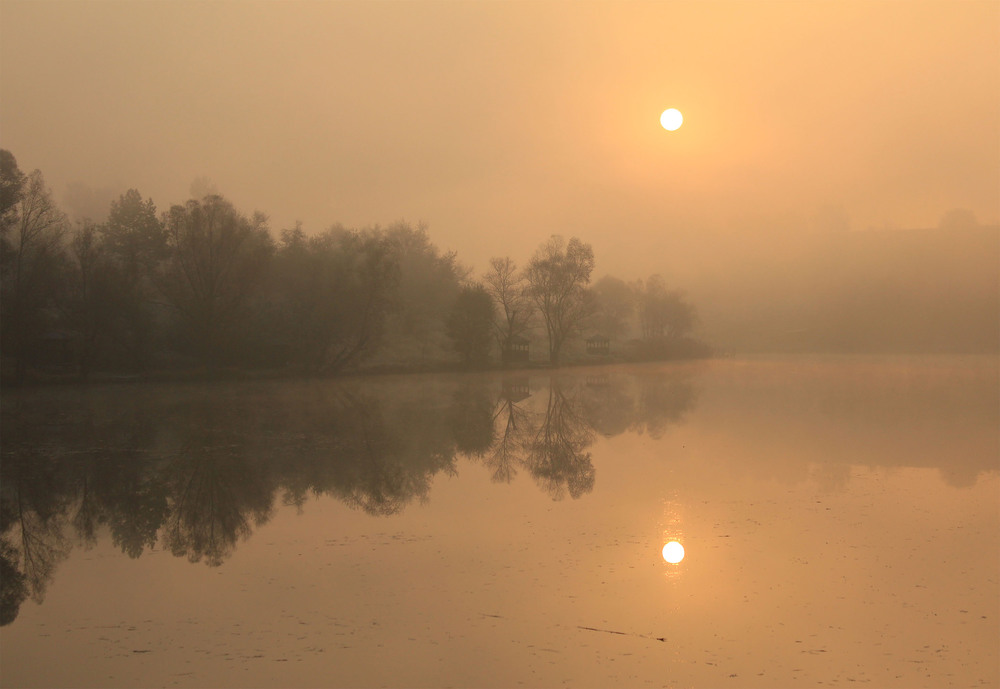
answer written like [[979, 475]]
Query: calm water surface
[[840, 518]]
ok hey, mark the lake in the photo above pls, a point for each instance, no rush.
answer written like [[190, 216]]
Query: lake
[[840, 520]]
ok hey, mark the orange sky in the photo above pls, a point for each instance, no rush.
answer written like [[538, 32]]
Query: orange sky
[[499, 123]]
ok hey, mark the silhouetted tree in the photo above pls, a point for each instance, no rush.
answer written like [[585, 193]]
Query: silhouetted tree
[[509, 290], [429, 283], [615, 304], [12, 182], [218, 260], [558, 275], [470, 324], [663, 312], [135, 242], [92, 297], [134, 235], [31, 259], [333, 295]]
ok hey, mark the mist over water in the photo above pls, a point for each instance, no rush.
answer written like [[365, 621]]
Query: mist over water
[[394, 526], [398, 344]]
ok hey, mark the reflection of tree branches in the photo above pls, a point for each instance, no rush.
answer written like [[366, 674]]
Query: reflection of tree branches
[[608, 403], [375, 451], [200, 470], [510, 444], [216, 491], [115, 478], [556, 457], [214, 504], [32, 518], [13, 584], [662, 400], [384, 465], [471, 419]]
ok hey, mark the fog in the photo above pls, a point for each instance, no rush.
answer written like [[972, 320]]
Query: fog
[[824, 144]]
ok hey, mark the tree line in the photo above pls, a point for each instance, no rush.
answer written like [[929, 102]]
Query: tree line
[[205, 285]]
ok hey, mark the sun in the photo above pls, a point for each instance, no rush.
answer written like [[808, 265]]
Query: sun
[[672, 119], [673, 552]]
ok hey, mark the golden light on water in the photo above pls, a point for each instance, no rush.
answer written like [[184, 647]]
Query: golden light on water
[[673, 552], [671, 119]]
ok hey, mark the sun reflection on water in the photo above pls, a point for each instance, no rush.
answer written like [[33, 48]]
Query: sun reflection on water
[[672, 535], [673, 552]]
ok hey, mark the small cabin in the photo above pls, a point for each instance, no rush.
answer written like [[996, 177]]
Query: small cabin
[[516, 350], [598, 345]]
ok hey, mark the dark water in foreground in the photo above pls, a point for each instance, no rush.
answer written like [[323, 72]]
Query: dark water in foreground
[[841, 521]]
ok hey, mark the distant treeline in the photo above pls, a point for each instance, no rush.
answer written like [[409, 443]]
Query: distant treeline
[[203, 286]]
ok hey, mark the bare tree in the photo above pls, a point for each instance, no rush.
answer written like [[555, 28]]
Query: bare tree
[[508, 288], [558, 275]]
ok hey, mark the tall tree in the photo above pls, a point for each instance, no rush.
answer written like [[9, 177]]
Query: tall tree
[[92, 294], [134, 242], [333, 294], [218, 260], [30, 260], [12, 182], [509, 290], [662, 312], [615, 306], [470, 323], [429, 283], [558, 275], [133, 234]]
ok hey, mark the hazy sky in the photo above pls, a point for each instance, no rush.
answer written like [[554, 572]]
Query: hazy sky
[[499, 123]]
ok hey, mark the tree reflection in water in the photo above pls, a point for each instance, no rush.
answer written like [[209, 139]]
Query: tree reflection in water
[[557, 456], [198, 468], [217, 484]]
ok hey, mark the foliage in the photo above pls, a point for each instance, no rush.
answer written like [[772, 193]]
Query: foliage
[[615, 304], [133, 234], [205, 283], [663, 312], [31, 259], [217, 262], [333, 293], [429, 283], [557, 276], [470, 324], [12, 182]]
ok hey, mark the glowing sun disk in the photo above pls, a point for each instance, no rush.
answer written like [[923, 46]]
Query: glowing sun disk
[[672, 119]]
